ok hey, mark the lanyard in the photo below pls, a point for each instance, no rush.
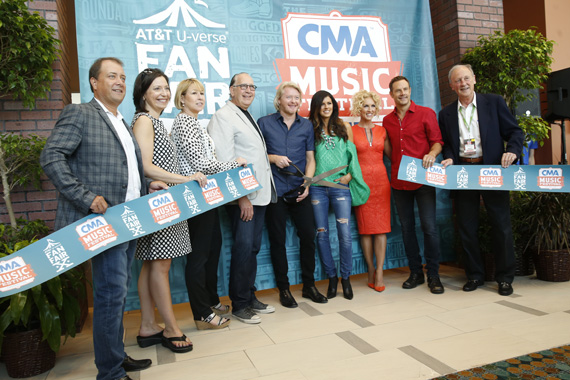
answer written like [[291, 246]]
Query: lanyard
[[462, 112]]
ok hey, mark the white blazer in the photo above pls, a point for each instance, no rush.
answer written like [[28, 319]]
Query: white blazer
[[234, 136]]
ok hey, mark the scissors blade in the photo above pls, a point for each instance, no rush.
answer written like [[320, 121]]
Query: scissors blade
[[326, 174], [322, 182]]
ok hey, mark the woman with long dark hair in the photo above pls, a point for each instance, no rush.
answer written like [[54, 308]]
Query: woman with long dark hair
[[333, 148], [160, 162]]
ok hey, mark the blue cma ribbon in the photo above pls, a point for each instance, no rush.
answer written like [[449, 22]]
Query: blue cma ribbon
[[95, 233], [544, 178]]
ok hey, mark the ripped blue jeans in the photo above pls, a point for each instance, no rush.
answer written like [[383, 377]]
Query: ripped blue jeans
[[321, 198]]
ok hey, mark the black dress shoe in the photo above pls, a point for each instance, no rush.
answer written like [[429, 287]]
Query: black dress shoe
[[414, 280], [130, 364], [435, 285], [505, 289], [346, 288], [313, 293], [471, 285], [125, 378], [286, 299], [333, 283]]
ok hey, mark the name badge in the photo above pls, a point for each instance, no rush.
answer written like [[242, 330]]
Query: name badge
[[469, 147]]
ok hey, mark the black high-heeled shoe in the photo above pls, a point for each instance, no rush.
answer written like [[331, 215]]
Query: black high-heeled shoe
[[333, 283], [346, 288]]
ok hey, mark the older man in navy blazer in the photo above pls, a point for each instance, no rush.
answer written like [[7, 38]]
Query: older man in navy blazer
[[94, 162], [479, 129]]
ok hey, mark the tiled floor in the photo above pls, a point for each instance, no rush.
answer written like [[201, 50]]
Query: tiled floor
[[397, 334]]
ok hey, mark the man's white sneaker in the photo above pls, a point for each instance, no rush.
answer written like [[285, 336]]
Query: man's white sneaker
[[261, 308], [247, 315]]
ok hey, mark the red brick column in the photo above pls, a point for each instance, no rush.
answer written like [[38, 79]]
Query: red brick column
[[456, 26]]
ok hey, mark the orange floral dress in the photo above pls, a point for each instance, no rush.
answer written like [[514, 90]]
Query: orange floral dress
[[373, 217]]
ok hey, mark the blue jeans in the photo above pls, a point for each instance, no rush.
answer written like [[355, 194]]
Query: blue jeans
[[111, 277], [425, 198], [321, 198], [243, 264]]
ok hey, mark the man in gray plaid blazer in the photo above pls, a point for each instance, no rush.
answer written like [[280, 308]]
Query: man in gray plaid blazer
[[94, 162]]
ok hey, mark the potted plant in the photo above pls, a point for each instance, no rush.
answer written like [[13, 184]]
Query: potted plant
[[511, 64], [548, 223], [521, 232], [32, 321]]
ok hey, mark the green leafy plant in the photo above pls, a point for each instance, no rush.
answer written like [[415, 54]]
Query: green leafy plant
[[28, 49], [53, 305], [548, 220], [19, 165], [535, 128], [508, 63], [520, 211]]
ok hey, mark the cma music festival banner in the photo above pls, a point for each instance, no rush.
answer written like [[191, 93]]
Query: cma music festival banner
[[339, 46], [549, 178], [86, 238]]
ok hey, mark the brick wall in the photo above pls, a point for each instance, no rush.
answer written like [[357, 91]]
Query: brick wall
[[15, 118], [456, 26]]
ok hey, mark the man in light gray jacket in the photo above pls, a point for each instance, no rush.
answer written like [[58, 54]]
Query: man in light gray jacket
[[236, 134]]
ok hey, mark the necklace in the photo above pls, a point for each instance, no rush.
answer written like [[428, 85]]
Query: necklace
[[369, 136], [329, 142]]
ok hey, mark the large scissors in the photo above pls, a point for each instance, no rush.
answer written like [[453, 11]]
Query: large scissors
[[292, 195]]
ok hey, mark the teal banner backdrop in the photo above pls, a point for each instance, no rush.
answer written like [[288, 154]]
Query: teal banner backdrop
[[89, 236], [341, 47]]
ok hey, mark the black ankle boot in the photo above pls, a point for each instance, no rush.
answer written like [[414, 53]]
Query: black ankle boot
[[333, 283], [346, 288]]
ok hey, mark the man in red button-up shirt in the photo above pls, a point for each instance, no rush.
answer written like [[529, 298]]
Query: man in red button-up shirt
[[413, 131]]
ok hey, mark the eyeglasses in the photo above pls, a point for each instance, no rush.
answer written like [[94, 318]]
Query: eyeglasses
[[244, 87]]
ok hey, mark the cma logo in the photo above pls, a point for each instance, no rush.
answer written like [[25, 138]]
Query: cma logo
[[173, 12], [436, 170], [318, 39], [245, 173], [92, 225], [211, 184], [161, 200], [550, 172], [9, 266], [491, 172]]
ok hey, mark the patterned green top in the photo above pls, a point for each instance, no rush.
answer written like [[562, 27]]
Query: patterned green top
[[332, 157], [334, 153]]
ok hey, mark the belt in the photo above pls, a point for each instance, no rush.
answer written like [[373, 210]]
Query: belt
[[469, 160]]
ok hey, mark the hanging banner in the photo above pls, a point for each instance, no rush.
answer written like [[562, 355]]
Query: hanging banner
[[545, 178], [325, 45], [86, 238]]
